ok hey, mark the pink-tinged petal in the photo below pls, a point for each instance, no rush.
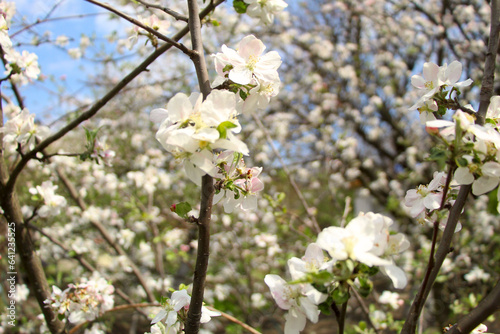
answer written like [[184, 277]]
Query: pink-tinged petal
[[232, 56], [484, 184], [242, 75], [158, 115], [430, 71], [396, 274], [465, 83], [256, 185], [294, 324], [433, 201], [491, 168], [310, 309], [463, 176], [439, 123], [209, 135], [418, 81], [250, 46], [453, 72], [297, 268], [159, 317], [277, 286], [417, 209], [270, 61]]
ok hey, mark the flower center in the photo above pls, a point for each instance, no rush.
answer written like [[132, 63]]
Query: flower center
[[429, 85], [252, 62]]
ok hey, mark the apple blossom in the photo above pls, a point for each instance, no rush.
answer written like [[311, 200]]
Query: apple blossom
[[247, 64], [52, 203], [84, 301], [426, 197], [22, 129], [237, 185], [300, 300], [152, 22], [366, 239], [265, 9], [435, 77], [179, 302], [313, 261]]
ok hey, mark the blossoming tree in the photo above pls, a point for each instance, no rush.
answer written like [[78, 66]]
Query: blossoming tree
[[309, 130]]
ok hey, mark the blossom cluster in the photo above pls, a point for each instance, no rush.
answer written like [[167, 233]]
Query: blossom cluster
[[21, 129], [83, 301], [174, 312], [21, 67], [364, 244], [53, 203], [475, 148], [194, 130]]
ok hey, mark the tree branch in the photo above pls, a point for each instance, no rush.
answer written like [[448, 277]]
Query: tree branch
[[207, 186], [173, 42], [173, 13]]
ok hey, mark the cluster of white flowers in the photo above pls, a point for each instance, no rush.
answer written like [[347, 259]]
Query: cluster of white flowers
[[436, 79], [236, 185], [193, 129], [152, 22], [174, 310], [52, 203], [22, 67], [256, 74], [84, 301], [265, 9], [21, 129], [365, 240]]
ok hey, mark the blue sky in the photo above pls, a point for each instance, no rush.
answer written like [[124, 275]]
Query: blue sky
[[55, 63]]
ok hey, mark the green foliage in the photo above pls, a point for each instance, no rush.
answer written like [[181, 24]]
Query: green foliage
[[240, 6], [223, 127], [181, 209]]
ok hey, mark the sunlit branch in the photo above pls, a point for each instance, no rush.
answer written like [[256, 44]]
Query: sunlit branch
[[173, 13], [171, 41]]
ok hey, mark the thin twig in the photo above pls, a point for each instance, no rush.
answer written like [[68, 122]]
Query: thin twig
[[288, 174], [236, 321], [365, 309], [171, 41], [173, 13]]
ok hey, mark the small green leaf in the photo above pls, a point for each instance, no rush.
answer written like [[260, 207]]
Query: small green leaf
[[461, 162], [227, 68], [340, 295], [240, 6], [181, 209], [223, 127], [243, 95]]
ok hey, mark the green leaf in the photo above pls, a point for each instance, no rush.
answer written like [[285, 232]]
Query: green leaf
[[227, 68], [181, 209], [340, 295], [223, 127], [240, 6], [461, 162], [365, 287], [243, 95]]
